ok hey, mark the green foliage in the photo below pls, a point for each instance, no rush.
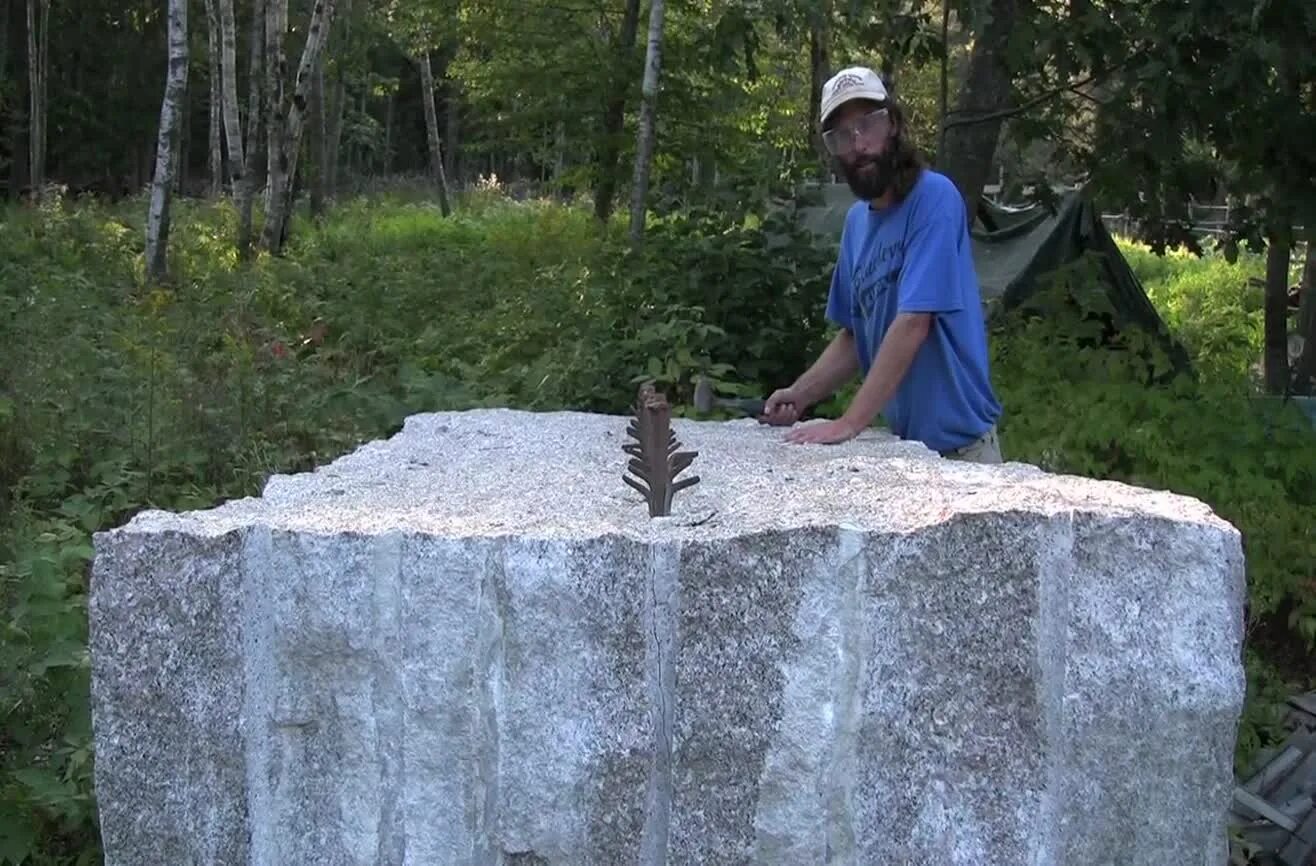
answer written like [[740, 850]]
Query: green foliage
[[1209, 303]]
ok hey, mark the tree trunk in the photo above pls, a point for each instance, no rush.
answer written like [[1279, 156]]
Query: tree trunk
[[614, 116], [258, 109], [1276, 352], [258, 97], [216, 102], [4, 42], [944, 104], [289, 126], [276, 113], [452, 123], [386, 155], [337, 111], [559, 152], [184, 138], [432, 130], [338, 106], [228, 73], [11, 131], [38, 50], [157, 228], [1307, 318], [319, 145], [970, 135], [648, 118], [820, 69], [888, 74]]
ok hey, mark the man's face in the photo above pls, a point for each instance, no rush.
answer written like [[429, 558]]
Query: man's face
[[860, 139]]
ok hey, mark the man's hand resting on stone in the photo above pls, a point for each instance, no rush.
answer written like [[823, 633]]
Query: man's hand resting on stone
[[827, 433]]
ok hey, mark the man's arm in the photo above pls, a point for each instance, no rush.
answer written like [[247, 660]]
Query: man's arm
[[837, 364], [894, 356], [899, 346]]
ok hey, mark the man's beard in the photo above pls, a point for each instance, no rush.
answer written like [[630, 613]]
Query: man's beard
[[871, 184]]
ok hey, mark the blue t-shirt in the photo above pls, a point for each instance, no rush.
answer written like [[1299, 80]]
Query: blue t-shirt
[[916, 257]]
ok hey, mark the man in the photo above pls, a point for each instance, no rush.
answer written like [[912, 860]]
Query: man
[[904, 293]]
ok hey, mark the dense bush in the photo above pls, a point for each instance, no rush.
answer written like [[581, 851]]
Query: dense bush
[[1209, 304], [117, 397]]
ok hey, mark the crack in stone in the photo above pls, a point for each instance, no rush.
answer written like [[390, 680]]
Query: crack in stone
[[257, 693], [489, 667]]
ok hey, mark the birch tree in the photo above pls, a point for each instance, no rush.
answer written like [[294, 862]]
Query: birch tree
[[276, 67], [648, 115], [166, 159], [257, 97], [288, 115], [229, 91], [258, 108], [412, 28], [432, 130], [215, 139]]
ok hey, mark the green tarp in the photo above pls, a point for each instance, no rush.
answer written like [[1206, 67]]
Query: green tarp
[[1013, 247]]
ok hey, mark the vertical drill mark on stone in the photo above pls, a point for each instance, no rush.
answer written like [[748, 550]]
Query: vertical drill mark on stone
[[1055, 570], [660, 669], [387, 704], [655, 460], [852, 672], [258, 692], [489, 669]]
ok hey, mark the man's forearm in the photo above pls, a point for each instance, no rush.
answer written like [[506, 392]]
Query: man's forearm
[[899, 346], [837, 364]]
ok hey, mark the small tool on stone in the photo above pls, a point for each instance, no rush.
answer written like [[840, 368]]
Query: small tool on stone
[[706, 401]]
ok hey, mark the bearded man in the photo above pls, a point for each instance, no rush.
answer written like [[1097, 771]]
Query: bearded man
[[904, 293]]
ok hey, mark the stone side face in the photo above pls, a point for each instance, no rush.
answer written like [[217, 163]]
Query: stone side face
[[165, 620], [953, 739], [1152, 690], [1005, 683]]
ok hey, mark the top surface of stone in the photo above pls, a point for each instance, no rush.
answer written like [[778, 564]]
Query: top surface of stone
[[559, 475]]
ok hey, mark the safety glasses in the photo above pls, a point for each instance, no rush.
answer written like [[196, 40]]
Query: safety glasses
[[840, 140]]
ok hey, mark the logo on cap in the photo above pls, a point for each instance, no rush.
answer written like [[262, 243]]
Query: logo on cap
[[847, 81]]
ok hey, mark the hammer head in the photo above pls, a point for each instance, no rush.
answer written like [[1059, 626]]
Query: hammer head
[[706, 401], [704, 395]]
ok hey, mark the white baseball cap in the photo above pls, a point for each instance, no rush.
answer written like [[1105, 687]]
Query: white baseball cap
[[856, 82]]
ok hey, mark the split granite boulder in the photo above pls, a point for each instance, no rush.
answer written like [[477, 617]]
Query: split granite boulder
[[470, 645]]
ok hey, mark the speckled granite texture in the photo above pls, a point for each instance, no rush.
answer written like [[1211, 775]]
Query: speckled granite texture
[[470, 644]]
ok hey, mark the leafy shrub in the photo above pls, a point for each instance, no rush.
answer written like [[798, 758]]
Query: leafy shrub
[[1209, 303]]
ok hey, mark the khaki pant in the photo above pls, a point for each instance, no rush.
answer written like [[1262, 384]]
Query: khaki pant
[[986, 449]]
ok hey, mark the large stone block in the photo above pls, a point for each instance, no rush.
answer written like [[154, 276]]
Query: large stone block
[[470, 645]]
